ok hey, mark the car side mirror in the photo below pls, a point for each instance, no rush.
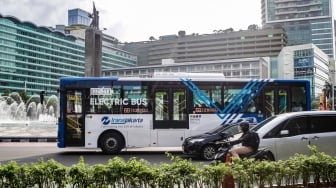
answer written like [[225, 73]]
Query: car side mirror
[[284, 132]]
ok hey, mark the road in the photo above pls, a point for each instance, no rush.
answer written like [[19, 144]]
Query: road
[[28, 152]]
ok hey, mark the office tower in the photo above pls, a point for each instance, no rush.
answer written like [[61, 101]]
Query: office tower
[[305, 21], [78, 17]]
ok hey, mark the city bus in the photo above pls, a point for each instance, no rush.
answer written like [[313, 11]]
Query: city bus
[[114, 113]]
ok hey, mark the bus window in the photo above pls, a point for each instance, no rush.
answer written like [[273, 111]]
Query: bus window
[[74, 127], [252, 107], [214, 93], [74, 103], [105, 100], [137, 100], [179, 105], [230, 91], [269, 102], [161, 105], [298, 98], [282, 97]]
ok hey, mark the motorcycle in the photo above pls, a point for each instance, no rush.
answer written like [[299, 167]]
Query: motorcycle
[[223, 155]]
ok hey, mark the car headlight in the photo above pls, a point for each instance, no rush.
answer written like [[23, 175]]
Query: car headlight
[[196, 140]]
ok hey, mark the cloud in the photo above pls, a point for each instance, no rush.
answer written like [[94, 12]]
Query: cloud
[[133, 20]]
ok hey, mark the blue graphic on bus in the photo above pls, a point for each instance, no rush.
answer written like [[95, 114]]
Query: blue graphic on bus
[[237, 105], [106, 120]]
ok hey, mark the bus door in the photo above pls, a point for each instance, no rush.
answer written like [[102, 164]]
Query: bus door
[[275, 101], [170, 117], [74, 120]]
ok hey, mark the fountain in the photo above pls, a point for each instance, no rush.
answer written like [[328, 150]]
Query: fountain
[[30, 118], [12, 108]]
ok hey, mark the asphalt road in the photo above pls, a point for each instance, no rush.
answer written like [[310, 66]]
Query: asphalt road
[[28, 152]]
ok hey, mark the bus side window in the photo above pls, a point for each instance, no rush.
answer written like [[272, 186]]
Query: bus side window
[[70, 107], [74, 102], [252, 107]]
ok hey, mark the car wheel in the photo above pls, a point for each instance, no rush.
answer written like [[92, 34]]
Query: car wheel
[[111, 143], [267, 157], [208, 152]]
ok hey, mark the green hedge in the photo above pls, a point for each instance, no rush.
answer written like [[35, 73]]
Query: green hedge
[[318, 169]]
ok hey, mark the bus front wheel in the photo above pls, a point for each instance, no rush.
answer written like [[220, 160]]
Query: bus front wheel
[[110, 143]]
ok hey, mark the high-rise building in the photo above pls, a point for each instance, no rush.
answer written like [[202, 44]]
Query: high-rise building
[[34, 58], [305, 21], [78, 17]]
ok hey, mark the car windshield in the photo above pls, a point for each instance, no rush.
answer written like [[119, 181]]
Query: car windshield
[[261, 124], [229, 128]]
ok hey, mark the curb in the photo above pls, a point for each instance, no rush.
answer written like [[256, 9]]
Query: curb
[[28, 139]]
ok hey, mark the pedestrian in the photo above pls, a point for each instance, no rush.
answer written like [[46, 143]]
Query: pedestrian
[[321, 107]]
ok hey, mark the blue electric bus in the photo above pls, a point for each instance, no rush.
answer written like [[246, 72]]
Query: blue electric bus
[[115, 113]]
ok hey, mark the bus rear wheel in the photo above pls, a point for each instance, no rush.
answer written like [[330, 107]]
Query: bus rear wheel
[[110, 143]]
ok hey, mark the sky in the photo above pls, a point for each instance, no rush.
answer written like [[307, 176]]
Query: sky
[[138, 20]]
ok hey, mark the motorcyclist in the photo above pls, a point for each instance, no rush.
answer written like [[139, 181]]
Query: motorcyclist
[[249, 141]]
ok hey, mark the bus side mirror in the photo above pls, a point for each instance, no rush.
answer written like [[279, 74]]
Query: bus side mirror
[[42, 97]]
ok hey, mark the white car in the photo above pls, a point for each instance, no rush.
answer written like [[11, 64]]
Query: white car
[[290, 133]]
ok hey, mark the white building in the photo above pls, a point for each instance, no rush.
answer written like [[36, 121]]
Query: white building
[[305, 61], [254, 68]]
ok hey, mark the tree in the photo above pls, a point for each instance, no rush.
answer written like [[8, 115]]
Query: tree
[[253, 27], [24, 96], [151, 38], [181, 33], [228, 30], [6, 92]]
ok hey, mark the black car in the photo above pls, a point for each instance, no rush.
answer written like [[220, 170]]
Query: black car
[[203, 145]]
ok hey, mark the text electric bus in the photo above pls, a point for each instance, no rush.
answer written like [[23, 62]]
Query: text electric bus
[[116, 113]]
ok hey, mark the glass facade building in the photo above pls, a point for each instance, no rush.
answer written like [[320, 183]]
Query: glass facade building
[[305, 21], [78, 16], [33, 58], [114, 56]]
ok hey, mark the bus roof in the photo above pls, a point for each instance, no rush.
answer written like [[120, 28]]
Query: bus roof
[[67, 80]]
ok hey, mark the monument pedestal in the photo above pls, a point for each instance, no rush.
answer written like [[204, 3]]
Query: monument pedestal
[[93, 52]]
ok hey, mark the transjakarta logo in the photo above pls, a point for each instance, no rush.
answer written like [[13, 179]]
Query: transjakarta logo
[[106, 120]]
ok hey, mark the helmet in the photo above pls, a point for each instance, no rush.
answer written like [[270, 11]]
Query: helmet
[[245, 126]]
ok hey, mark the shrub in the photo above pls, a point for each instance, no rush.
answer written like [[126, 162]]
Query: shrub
[[317, 169]]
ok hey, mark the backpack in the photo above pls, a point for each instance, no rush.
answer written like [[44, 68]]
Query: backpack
[[256, 140]]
